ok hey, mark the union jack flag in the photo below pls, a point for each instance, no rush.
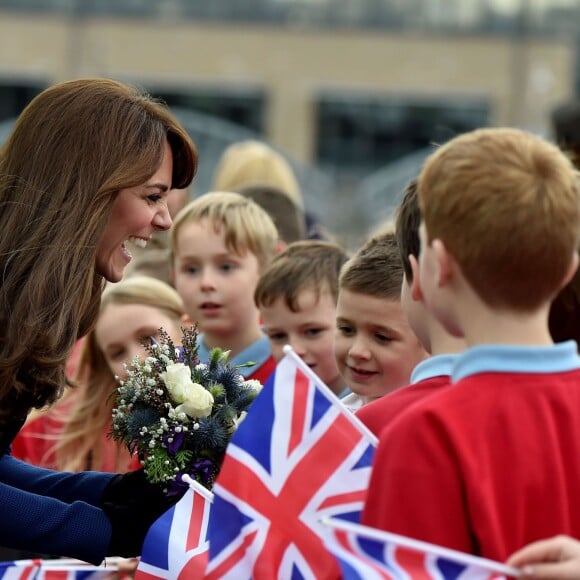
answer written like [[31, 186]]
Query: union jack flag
[[176, 545], [299, 456], [366, 553], [84, 572], [19, 569], [53, 570]]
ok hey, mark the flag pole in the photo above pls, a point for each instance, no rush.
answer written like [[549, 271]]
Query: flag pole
[[420, 546], [289, 351], [196, 486]]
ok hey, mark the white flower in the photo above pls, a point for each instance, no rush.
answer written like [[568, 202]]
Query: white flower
[[176, 378], [254, 384], [198, 401]]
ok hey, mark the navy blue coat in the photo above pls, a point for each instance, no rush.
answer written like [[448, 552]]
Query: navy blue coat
[[52, 512]]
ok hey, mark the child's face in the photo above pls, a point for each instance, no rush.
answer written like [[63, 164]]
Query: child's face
[[216, 285], [310, 332], [375, 348], [121, 328]]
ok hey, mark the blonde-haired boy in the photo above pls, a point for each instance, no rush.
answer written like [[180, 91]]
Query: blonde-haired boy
[[297, 296], [220, 244], [471, 467], [375, 348]]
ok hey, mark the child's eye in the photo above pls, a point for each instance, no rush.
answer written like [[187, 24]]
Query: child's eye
[[190, 269], [313, 332], [117, 354], [345, 330], [278, 337], [147, 339], [227, 267], [382, 338]]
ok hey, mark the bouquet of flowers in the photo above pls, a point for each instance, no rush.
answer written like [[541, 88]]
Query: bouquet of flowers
[[179, 414]]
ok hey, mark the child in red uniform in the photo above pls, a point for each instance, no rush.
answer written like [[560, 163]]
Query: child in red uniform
[[432, 373], [375, 348], [471, 467], [220, 244], [297, 296]]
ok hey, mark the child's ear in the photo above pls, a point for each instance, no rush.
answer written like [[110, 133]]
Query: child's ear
[[281, 245], [186, 321], [571, 270], [416, 292], [444, 263]]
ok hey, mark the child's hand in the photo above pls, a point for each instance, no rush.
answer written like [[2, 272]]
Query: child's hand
[[557, 558]]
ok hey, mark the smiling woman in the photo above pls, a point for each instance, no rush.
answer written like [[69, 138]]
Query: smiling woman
[[88, 166]]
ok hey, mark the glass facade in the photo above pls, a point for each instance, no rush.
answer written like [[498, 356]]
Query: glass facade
[[358, 134], [449, 16]]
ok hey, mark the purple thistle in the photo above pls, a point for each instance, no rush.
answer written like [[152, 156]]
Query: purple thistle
[[176, 442]]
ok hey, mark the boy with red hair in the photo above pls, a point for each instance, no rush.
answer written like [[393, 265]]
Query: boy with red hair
[[470, 467]]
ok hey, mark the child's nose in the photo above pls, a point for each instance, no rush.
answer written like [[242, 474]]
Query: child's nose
[[207, 279], [298, 346], [359, 349]]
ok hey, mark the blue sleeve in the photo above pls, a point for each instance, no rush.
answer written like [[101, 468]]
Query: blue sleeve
[[52, 512], [86, 486], [42, 524]]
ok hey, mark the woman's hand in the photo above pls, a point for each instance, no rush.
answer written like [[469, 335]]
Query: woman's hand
[[557, 558]]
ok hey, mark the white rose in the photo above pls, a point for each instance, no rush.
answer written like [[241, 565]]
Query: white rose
[[177, 378], [198, 401]]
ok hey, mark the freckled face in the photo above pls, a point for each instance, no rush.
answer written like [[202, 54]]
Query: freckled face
[[137, 212], [375, 348], [121, 328]]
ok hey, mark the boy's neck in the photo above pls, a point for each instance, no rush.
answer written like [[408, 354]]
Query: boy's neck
[[441, 342], [485, 325], [338, 385], [235, 342]]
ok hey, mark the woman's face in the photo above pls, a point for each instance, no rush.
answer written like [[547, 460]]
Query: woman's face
[[137, 213], [122, 328]]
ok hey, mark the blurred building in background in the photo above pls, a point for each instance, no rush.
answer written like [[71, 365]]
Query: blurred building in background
[[354, 92]]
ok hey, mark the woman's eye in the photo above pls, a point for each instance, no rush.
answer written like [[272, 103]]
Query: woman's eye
[[154, 197]]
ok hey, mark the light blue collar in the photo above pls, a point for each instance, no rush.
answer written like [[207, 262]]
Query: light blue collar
[[438, 365], [555, 358], [258, 352]]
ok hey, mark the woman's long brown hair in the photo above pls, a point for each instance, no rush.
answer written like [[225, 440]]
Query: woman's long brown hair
[[72, 150]]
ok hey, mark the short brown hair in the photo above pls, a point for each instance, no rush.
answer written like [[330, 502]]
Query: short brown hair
[[506, 205], [376, 269], [246, 225], [407, 227], [312, 264]]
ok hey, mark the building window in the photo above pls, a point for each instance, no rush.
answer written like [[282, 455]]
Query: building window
[[358, 135], [244, 108], [14, 96]]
